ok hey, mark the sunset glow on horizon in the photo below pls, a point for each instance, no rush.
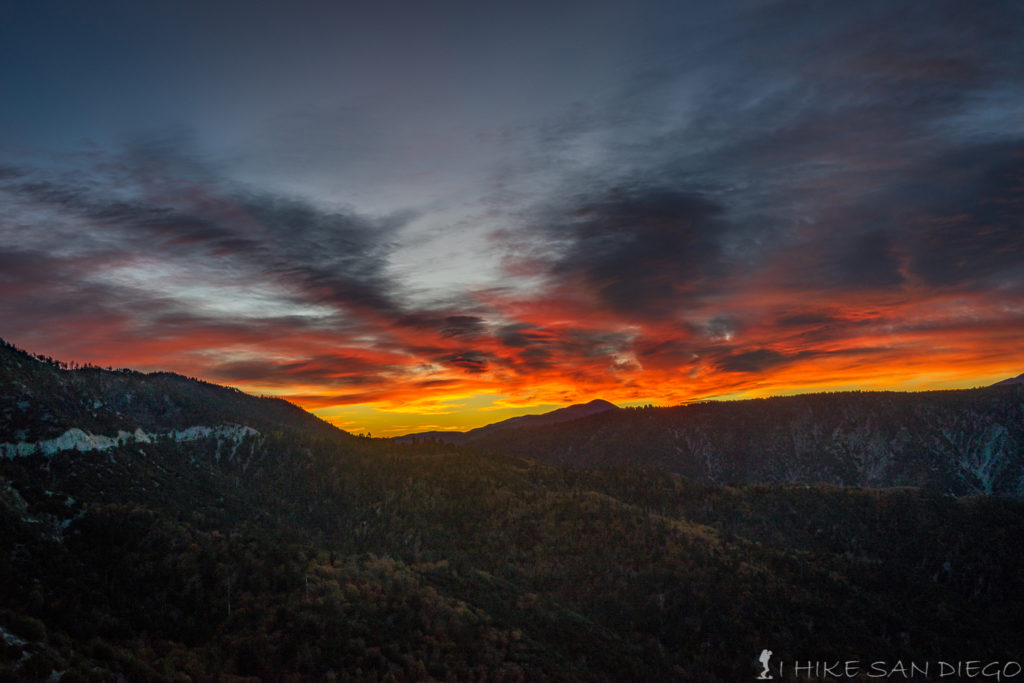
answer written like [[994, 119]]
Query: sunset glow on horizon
[[441, 218]]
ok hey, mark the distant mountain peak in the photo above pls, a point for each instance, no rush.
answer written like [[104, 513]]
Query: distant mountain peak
[[1019, 379], [573, 412], [598, 403]]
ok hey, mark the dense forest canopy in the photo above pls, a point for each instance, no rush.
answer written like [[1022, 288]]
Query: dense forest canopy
[[284, 549]]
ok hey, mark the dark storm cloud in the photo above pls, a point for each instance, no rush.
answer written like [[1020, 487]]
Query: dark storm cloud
[[807, 151], [869, 262], [541, 349], [447, 326], [462, 326], [852, 254], [641, 251], [954, 221], [797, 123], [167, 226], [974, 236], [521, 335], [758, 360], [470, 361], [332, 371], [673, 350], [536, 358], [333, 257]]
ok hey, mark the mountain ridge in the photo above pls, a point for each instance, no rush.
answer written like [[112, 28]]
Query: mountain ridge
[[960, 442], [273, 548], [42, 398], [566, 414]]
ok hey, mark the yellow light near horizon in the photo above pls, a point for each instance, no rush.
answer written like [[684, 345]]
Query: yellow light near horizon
[[468, 412]]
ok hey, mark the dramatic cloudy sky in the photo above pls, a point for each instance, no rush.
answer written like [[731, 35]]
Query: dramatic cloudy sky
[[410, 215]]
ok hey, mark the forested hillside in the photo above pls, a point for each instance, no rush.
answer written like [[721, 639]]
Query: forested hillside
[[959, 442], [283, 549], [40, 398]]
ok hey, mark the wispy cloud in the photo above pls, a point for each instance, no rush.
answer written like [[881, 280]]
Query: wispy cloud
[[651, 203]]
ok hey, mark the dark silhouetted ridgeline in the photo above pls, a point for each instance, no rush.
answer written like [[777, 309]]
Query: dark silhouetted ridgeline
[[962, 442], [523, 422], [40, 398], [222, 537]]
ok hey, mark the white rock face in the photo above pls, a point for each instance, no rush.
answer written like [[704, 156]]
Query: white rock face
[[75, 439], [227, 432], [14, 450]]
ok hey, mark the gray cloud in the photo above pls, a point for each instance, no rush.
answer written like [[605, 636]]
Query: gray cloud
[[329, 371], [332, 257], [973, 236], [760, 360], [641, 252]]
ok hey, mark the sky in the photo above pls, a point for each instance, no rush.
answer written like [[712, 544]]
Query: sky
[[409, 216]]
